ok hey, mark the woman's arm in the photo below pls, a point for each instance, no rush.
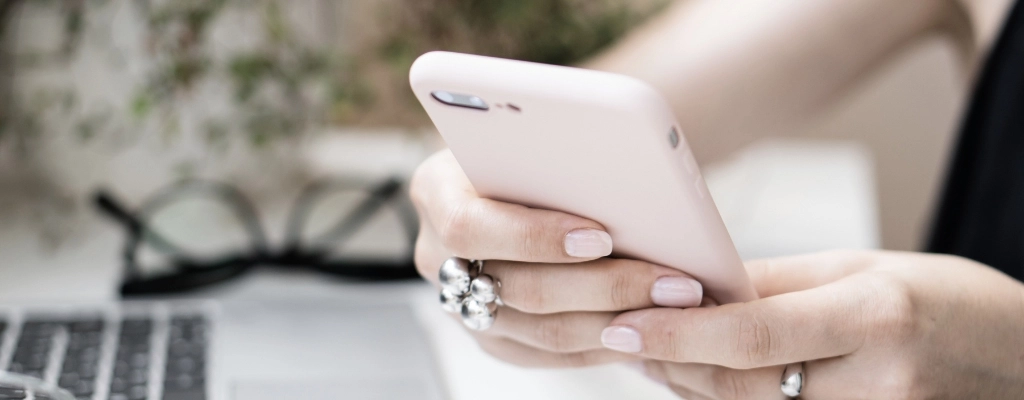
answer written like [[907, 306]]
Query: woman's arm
[[738, 70]]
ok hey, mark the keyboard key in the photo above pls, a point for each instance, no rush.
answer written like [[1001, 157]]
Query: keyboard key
[[184, 376], [130, 379], [86, 325], [138, 376], [138, 392], [11, 393], [32, 350], [184, 366], [136, 327], [183, 382], [190, 395], [83, 388], [68, 380]]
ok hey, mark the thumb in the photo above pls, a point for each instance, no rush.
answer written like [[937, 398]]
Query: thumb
[[774, 276]]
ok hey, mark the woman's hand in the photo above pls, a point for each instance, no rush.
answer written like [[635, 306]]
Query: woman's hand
[[558, 290], [870, 325]]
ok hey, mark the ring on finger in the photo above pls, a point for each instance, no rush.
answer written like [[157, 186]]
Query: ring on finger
[[466, 290], [792, 383]]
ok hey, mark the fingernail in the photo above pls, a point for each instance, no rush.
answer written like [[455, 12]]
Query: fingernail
[[588, 243], [677, 291], [621, 338]]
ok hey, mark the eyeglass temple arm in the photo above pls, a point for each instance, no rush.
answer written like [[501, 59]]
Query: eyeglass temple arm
[[113, 209], [352, 221]]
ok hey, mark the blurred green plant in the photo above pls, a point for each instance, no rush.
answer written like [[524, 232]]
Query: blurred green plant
[[284, 86], [270, 83], [547, 31], [281, 88]]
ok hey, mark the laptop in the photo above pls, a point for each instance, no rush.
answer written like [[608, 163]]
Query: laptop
[[199, 350]]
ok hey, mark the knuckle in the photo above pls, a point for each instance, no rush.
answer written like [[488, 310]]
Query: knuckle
[[521, 290], [622, 290], [423, 259], [894, 316], [419, 187], [629, 283], [554, 334], [905, 384], [730, 385], [534, 243], [454, 230], [581, 359], [575, 360], [755, 341], [496, 349]]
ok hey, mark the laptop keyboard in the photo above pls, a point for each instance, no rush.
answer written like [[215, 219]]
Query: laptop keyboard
[[99, 357]]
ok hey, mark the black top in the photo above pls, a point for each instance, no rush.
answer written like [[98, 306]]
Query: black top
[[981, 215]]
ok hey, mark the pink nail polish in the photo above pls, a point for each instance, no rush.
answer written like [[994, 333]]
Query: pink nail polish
[[676, 291], [622, 338], [588, 243]]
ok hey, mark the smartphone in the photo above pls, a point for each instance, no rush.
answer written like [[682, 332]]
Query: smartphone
[[598, 145]]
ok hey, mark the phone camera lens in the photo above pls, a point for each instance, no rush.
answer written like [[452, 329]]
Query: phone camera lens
[[443, 97], [460, 100]]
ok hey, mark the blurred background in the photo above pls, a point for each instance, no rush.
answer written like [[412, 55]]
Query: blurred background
[[137, 94], [133, 96]]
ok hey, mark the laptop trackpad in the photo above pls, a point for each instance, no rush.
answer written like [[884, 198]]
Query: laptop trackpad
[[328, 390], [313, 350]]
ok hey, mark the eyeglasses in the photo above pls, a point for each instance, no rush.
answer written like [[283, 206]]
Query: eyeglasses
[[174, 244]]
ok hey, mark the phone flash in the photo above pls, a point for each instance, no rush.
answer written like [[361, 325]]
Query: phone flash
[[459, 100]]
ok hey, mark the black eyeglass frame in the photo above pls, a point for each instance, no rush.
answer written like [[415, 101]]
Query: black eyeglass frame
[[189, 273]]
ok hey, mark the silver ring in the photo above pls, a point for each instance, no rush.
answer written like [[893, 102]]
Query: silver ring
[[467, 291], [792, 383]]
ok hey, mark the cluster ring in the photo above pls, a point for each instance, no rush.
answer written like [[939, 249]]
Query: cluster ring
[[468, 291]]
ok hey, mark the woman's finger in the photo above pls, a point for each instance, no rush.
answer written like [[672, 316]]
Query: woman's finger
[[717, 382], [558, 333], [477, 228], [774, 276], [526, 356], [823, 379], [687, 393], [429, 254], [601, 285], [823, 322]]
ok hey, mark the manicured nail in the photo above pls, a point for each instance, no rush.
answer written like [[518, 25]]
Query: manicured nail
[[677, 291], [588, 243], [621, 338]]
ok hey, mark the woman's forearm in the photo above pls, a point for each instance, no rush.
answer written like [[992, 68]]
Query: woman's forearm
[[736, 70]]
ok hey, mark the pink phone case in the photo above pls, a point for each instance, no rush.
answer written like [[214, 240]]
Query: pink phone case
[[588, 143]]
